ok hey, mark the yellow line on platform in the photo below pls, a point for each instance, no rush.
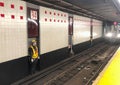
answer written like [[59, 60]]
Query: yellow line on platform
[[111, 74]]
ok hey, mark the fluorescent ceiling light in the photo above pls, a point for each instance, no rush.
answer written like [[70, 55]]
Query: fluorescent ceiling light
[[119, 1]]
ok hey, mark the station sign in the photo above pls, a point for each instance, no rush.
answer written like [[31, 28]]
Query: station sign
[[33, 14]]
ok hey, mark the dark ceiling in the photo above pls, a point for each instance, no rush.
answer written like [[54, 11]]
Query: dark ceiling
[[100, 9], [107, 8]]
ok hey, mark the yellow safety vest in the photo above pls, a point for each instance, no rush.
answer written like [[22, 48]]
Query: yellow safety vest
[[35, 52]]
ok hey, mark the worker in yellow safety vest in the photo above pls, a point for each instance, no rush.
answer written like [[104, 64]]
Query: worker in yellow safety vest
[[33, 53]]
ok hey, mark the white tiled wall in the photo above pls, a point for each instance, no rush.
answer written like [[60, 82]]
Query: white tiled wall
[[97, 29], [81, 29], [13, 30], [53, 29]]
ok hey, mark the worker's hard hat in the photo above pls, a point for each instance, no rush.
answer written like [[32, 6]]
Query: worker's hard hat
[[33, 41]]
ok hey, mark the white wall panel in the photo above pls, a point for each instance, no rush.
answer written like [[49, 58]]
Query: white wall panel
[[81, 29], [13, 30], [53, 29], [97, 29]]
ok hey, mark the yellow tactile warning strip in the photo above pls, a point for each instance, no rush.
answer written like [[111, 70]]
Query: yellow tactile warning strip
[[111, 73]]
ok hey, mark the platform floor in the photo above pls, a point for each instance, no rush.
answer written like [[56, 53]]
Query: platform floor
[[111, 73]]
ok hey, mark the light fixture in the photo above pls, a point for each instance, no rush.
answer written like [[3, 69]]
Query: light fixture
[[109, 35], [118, 36], [119, 1]]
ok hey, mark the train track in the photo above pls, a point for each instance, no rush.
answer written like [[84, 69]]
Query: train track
[[64, 71], [77, 68], [102, 65]]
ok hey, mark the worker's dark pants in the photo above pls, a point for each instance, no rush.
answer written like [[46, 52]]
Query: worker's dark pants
[[33, 66]]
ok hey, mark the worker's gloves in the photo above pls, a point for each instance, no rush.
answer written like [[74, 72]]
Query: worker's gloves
[[38, 57], [32, 60]]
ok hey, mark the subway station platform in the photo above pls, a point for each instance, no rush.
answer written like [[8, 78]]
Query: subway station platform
[[72, 42], [111, 73]]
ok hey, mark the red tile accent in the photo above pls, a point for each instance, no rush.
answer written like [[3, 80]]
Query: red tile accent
[[58, 14], [21, 7], [64, 21], [54, 20], [12, 6], [2, 15], [61, 14], [50, 20], [12, 16], [45, 12], [2, 4], [50, 13], [21, 17], [54, 13], [64, 15], [46, 19], [61, 20], [58, 20]]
